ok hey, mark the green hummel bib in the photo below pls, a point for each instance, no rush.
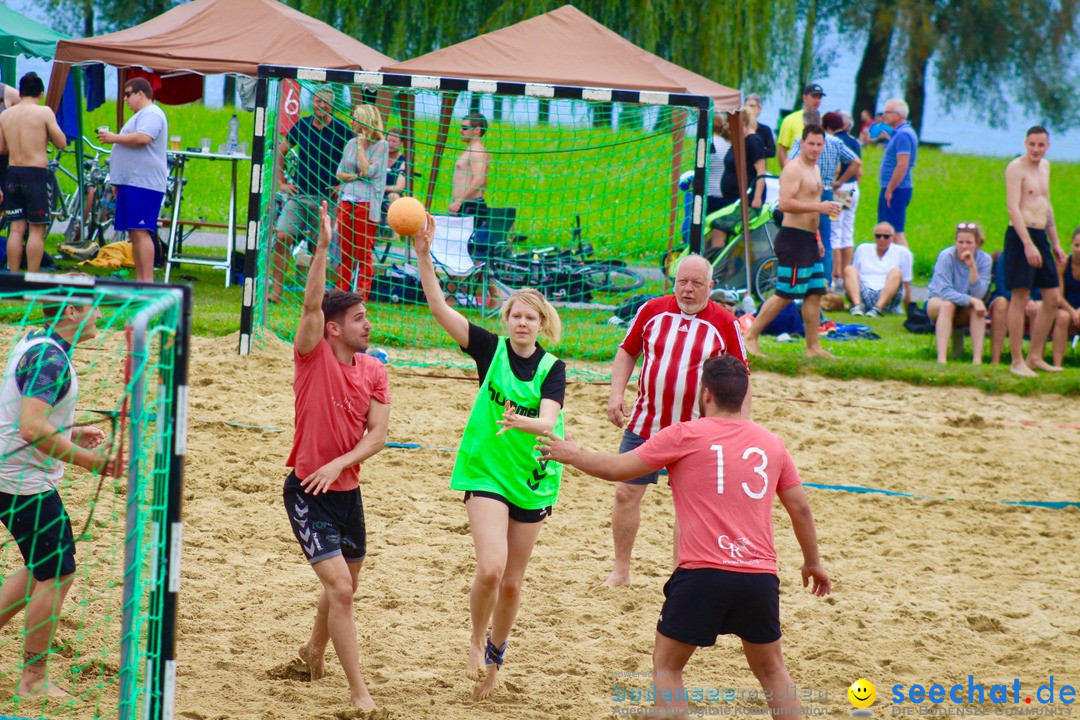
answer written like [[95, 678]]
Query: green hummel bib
[[507, 464]]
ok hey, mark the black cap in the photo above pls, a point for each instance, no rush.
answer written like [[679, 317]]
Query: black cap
[[813, 89]]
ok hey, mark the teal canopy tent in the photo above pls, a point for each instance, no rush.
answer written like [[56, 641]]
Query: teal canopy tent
[[19, 35]]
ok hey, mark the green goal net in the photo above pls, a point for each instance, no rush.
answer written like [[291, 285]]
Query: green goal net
[[90, 560], [572, 191]]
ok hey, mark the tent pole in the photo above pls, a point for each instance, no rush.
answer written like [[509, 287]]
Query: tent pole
[[735, 130], [80, 154], [446, 110], [121, 80]]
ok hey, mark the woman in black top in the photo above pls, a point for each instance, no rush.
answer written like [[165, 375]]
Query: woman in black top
[[753, 103], [755, 168]]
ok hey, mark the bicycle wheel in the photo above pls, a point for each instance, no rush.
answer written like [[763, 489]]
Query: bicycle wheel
[[765, 277], [611, 277]]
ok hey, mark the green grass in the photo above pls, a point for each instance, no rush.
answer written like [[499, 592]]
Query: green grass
[[949, 188], [904, 356]]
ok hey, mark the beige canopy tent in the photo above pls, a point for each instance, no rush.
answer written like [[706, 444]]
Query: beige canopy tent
[[218, 36], [567, 47]]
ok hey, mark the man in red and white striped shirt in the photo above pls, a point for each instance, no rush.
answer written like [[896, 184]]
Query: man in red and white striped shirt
[[676, 334]]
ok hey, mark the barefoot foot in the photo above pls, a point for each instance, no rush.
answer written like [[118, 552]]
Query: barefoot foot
[[617, 578], [475, 661], [1022, 370], [314, 661], [819, 352], [753, 347], [42, 689], [483, 687], [363, 700], [1040, 364]]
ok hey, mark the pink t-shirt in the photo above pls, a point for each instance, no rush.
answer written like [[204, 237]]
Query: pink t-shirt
[[724, 475], [332, 402]]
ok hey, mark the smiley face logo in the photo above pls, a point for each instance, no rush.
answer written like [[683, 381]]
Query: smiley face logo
[[862, 693]]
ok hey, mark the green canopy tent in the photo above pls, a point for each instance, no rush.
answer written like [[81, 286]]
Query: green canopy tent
[[19, 35]]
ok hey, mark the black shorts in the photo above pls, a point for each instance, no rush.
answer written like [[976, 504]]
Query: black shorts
[[42, 530], [800, 272], [28, 194], [1018, 273], [517, 514], [701, 604], [326, 525]]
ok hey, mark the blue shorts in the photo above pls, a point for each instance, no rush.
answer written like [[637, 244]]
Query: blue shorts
[[137, 208], [629, 442], [896, 213], [42, 530]]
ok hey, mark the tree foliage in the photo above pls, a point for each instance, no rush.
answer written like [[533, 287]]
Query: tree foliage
[[982, 54], [729, 41], [94, 17]]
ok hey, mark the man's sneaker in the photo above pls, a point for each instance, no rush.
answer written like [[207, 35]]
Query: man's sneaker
[[858, 309], [837, 286], [873, 312], [898, 309]]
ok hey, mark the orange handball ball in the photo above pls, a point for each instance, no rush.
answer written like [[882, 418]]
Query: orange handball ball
[[406, 216]]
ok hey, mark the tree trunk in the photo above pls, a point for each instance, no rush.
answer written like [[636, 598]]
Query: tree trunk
[[543, 113], [498, 114], [915, 88], [601, 114], [806, 59], [876, 54], [474, 102], [88, 18], [230, 91]]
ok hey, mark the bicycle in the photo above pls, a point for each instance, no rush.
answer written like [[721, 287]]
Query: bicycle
[[567, 274]]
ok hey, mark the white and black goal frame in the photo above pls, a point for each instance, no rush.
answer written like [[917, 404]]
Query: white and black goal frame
[[154, 700], [389, 82]]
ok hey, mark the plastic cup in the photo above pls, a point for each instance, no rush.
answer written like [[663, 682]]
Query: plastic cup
[[205, 145], [102, 128], [174, 142]]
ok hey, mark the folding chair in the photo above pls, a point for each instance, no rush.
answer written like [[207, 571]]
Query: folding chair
[[450, 253]]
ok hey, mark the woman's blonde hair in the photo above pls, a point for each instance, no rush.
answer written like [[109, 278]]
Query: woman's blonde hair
[[724, 128], [550, 324], [371, 122]]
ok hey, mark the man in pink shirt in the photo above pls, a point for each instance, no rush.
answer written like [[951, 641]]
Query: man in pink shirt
[[725, 471], [342, 413]]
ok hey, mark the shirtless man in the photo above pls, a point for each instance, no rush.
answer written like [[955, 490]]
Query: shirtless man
[[1031, 249], [471, 170], [798, 249], [25, 132]]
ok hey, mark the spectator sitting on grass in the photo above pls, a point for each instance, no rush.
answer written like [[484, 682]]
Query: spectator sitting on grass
[[875, 275], [998, 310], [960, 281], [1069, 273]]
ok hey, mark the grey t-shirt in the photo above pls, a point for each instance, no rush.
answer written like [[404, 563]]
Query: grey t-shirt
[[143, 166]]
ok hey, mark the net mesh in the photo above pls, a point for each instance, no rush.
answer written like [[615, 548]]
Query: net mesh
[[105, 646], [578, 199]]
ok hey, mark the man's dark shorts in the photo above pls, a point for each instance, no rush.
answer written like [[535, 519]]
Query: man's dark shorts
[[28, 195], [1020, 274], [517, 513], [894, 213], [42, 530], [328, 524], [629, 442], [701, 604], [800, 272], [137, 208]]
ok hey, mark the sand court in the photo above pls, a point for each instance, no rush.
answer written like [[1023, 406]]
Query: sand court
[[927, 589]]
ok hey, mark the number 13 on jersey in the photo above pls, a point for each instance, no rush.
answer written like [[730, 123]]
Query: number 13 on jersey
[[758, 470]]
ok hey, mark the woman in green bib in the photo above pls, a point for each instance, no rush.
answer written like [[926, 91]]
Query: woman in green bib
[[508, 491]]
